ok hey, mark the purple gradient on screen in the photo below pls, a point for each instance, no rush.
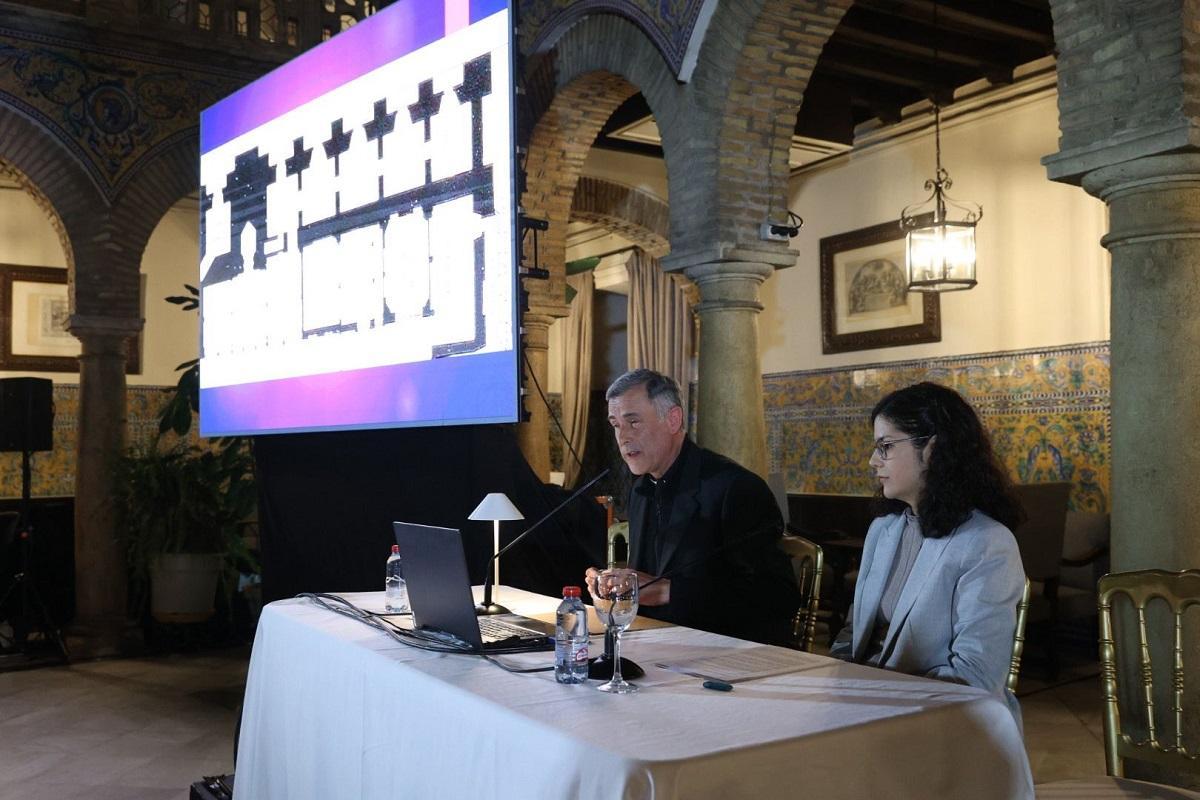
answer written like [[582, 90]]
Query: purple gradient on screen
[[397, 30], [481, 9], [447, 391]]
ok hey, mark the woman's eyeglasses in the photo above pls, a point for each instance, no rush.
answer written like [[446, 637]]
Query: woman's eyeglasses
[[884, 449]]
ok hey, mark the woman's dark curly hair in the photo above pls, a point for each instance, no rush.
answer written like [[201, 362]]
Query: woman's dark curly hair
[[963, 472]]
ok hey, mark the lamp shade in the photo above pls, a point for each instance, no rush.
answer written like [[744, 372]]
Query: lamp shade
[[496, 506]]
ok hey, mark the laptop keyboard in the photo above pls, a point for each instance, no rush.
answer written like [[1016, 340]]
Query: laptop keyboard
[[494, 630]]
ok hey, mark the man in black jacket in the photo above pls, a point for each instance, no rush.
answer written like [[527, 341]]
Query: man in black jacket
[[707, 523]]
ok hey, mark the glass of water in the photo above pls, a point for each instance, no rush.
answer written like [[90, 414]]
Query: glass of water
[[616, 605]]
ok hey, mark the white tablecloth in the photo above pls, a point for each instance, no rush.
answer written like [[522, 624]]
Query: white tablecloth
[[335, 709]]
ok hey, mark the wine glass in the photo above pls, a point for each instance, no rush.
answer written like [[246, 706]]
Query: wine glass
[[616, 604]]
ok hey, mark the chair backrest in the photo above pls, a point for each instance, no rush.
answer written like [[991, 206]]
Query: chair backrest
[[1180, 590], [778, 488], [1040, 536], [1018, 649], [807, 562]]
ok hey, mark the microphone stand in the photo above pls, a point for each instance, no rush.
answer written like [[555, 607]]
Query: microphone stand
[[487, 607]]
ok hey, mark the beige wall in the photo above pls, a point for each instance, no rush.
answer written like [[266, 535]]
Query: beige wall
[[638, 172], [171, 259], [1043, 276], [170, 336], [26, 236]]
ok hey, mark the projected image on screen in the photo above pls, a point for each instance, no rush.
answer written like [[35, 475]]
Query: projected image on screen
[[357, 231]]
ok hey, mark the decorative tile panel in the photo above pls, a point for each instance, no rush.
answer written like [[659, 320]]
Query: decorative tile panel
[[53, 472], [1047, 411], [113, 109]]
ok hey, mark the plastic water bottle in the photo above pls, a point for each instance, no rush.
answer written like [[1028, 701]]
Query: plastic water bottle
[[571, 639], [395, 593]]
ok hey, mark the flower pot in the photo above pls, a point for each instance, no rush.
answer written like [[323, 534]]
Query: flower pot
[[183, 586]]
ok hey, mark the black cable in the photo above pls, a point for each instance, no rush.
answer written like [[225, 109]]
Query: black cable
[[550, 409], [411, 638], [348, 609]]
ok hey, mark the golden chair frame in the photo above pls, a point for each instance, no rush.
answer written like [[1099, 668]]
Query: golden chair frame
[[1014, 666], [1180, 590], [808, 559]]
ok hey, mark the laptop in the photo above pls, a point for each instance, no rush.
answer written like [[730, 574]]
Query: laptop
[[439, 594]]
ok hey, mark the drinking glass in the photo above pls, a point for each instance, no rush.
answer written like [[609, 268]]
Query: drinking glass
[[616, 604]]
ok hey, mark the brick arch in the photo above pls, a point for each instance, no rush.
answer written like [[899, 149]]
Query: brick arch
[[754, 89], [572, 91], [50, 172], [39, 198], [108, 279], [638, 216]]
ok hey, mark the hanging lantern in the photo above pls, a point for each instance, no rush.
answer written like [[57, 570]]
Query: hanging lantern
[[940, 233]]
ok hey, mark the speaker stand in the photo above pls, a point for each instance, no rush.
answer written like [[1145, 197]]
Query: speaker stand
[[32, 613]]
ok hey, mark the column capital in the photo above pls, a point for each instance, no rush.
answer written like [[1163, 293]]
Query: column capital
[[1150, 199], [727, 285], [775, 256], [90, 326], [1142, 173], [535, 329]]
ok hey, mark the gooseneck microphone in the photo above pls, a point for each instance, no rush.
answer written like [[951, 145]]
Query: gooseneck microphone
[[487, 607]]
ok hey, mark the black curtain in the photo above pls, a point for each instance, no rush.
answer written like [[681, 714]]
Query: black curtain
[[327, 502]]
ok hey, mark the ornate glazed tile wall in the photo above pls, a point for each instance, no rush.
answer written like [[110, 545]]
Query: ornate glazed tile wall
[[1047, 411], [53, 473]]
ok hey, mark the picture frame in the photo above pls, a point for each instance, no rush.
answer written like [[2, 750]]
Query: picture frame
[[34, 307], [864, 301]]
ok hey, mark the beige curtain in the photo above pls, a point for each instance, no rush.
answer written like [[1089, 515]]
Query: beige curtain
[[660, 322], [577, 371]]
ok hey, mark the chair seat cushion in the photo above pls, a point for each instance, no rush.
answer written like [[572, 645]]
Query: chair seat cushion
[[1106, 788]]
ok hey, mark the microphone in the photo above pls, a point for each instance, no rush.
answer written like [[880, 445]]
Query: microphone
[[487, 607]]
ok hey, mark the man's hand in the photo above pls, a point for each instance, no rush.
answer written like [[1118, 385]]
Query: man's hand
[[589, 577], [657, 594]]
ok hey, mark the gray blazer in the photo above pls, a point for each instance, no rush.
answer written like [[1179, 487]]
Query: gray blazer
[[957, 612]]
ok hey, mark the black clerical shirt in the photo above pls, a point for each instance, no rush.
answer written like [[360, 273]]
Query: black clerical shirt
[[712, 527], [660, 494]]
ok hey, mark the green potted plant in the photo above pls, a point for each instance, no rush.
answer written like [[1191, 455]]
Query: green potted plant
[[182, 508]]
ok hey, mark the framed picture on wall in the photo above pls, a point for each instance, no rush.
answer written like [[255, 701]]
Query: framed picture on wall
[[34, 309], [864, 299]]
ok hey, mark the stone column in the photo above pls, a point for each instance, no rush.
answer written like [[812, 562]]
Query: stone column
[[534, 436], [729, 403], [101, 626], [1154, 239]]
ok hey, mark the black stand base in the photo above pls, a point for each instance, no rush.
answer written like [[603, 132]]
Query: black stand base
[[601, 669], [490, 610]]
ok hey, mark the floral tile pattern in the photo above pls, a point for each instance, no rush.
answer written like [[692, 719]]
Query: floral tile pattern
[[53, 472], [1047, 410]]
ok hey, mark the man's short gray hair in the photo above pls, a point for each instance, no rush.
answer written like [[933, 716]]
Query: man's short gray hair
[[662, 390]]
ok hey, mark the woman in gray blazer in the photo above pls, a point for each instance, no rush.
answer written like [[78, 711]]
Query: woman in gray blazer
[[941, 575]]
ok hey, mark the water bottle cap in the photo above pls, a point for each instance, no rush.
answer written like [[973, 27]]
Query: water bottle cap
[[395, 549], [571, 591]]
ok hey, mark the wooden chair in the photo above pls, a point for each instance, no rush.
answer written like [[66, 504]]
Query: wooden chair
[[807, 563], [1014, 666], [1163, 744]]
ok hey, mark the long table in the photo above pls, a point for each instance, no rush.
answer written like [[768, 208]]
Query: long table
[[335, 709]]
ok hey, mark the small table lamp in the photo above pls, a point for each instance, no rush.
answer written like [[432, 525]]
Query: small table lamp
[[496, 507]]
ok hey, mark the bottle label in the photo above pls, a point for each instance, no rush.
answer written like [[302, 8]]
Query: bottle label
[[581, 653]]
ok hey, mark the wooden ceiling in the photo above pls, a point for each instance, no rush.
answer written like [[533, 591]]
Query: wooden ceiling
[[887, 54]]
